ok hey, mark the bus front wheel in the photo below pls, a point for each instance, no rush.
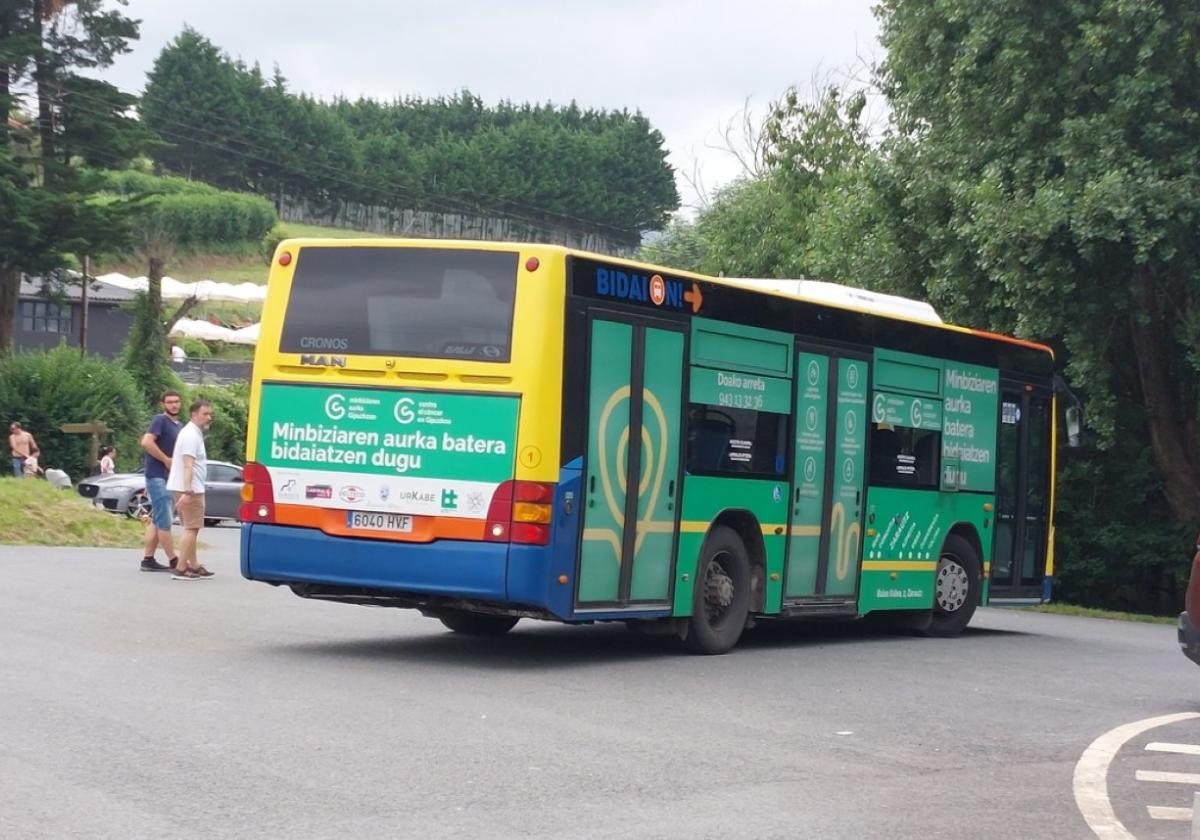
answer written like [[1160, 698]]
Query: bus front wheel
[[721, 594], [955, 588], [477, 624]]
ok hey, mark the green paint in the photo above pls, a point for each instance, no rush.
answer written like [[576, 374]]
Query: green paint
[[969, 433], [910, 528], [914, 412], [657, 488], [896, 371], [730, 389], [387, 449], [722, 345], [605, 482], [808, 479], [704, 499], [845, 525]]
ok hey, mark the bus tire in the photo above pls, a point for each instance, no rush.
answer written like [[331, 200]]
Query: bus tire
[[955, 588], [721, 594], [477, 624]]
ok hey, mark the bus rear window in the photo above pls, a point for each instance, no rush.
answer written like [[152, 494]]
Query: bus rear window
[[380, 301]]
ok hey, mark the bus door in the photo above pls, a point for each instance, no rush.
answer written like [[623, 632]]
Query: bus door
[[1022, 492], [828, 481], [631, 478]]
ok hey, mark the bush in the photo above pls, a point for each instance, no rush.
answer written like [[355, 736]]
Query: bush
[[226, 437], [211, 218], [130, 182], [45, 389], [271, 241], [194, 347]]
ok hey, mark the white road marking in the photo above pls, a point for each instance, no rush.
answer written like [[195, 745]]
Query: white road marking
[[1181, 749], [1091, 775], [1159, 812], [1156, 776]]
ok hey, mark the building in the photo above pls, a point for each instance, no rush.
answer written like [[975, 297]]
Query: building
[[48, 313]]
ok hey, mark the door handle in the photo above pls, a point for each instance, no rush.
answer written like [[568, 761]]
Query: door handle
[[671, 489]]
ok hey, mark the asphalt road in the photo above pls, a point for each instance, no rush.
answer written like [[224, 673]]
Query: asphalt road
[[132, 706]]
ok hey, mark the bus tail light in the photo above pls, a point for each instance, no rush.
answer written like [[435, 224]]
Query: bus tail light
[[520, 512], [258, 497]]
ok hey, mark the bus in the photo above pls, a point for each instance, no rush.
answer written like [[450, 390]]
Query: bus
[[486, 432]]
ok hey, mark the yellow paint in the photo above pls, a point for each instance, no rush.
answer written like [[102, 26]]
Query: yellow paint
[[846, 540], [534, 370], [899, 565]]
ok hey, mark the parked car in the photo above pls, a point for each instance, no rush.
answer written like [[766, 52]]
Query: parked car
[[1189, 619], [126, 492]]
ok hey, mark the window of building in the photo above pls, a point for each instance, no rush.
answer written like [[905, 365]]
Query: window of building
[[39, 316], [904, 457], [736, 441]]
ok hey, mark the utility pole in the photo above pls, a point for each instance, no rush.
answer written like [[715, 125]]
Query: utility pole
[[83, 305]]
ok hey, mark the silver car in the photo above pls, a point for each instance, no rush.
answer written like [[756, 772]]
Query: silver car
[[126, 492]]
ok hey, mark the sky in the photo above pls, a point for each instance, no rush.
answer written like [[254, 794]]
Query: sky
[[690, 66]]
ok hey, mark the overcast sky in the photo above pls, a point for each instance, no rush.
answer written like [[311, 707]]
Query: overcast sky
[[688, 65]]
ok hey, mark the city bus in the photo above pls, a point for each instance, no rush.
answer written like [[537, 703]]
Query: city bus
[[487, 432]]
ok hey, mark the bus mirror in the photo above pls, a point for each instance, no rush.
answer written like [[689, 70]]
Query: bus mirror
[[1074, 425]]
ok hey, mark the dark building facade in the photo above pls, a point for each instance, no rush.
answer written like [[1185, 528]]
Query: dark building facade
[[47, 315]]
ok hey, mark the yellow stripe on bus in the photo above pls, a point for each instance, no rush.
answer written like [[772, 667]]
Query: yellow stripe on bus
[[899, 565]]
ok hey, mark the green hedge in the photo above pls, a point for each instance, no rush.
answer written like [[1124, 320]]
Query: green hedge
[[45, 389], [130, 182], [206, 219]]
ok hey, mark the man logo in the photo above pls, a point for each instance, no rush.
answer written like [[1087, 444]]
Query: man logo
[[335, 406], [404, 411]]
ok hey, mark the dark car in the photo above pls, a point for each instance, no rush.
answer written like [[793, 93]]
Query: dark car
[[126, 492], [1189, 619]]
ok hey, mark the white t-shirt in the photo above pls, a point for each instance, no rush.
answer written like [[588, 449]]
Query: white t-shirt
[[189, 442]]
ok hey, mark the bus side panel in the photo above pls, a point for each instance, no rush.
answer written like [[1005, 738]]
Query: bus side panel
[[704, 499], [455, 568]]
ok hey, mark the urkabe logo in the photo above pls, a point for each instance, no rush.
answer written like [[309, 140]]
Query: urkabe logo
[[449, 500]]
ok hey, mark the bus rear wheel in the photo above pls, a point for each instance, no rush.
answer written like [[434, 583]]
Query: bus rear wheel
[[721, 595], [477, 624], [956, 588]]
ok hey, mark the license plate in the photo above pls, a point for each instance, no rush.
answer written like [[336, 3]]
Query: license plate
[[367, 520]]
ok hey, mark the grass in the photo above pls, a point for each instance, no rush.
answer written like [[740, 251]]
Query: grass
[[1111, 615], [295, 230], [35, 513]]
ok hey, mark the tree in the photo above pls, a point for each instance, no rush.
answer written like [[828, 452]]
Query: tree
[[1049, 155], [49, 198]]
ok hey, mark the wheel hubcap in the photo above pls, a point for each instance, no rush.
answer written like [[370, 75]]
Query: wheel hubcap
[[718, 590], [953, 585]]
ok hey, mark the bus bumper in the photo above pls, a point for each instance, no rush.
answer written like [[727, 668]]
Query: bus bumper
[[515, 576], [453, 568]]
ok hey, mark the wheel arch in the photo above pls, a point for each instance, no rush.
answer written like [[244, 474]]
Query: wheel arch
[[967, 531], [746, 525]]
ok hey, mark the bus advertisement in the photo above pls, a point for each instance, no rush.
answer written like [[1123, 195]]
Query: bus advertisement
[[493, 431]]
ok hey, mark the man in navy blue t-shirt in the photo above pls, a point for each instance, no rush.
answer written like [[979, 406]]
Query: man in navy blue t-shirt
[[159, 445]]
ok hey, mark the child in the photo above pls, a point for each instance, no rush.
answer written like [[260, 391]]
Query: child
[[31, 468], [107, 460]]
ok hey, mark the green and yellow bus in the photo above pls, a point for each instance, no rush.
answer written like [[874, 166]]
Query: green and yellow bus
[[492, 431]]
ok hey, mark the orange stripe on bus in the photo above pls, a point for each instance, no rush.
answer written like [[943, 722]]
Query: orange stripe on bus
[[425, 528]]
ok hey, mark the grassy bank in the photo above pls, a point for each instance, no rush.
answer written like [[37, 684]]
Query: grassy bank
[[1089, 612], [34, 513]]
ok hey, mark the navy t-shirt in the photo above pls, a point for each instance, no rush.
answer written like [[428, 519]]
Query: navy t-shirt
[[165, 430]]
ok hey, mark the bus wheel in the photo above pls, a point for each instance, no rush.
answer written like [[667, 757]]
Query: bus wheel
[[956, 588], [477, 624], [721, 597]]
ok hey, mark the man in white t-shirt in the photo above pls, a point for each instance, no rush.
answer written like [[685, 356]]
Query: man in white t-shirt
[[189, 467]]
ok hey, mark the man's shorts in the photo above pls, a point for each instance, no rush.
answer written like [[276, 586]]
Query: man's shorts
[[191, 510], [162, 508]]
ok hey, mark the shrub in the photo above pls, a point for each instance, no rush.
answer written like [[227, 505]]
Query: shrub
[[45, 389], [226, 437], [211, 218], [271, 241], [194, 347]]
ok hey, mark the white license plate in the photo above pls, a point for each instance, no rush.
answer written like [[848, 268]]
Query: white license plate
[[364, 519]]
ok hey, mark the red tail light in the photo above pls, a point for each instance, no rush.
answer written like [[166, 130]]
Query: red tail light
[[520, 512], [258, 496]]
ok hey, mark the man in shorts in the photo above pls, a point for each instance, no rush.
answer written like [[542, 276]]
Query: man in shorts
[[21, 444], [189, 468], [159, 444]]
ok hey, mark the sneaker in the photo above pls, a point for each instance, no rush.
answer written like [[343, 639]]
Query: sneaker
[[153, 565], [186, 574], [200, 571], [174, 560]]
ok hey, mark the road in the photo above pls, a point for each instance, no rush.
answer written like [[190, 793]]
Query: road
[[133, 706]]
